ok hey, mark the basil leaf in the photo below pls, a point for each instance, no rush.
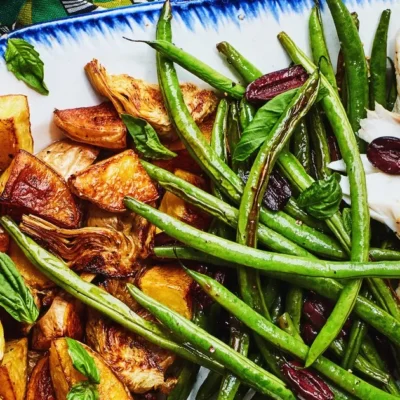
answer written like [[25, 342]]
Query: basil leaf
[[264, 120], [83, 391], [24, 62], [15, 297], [322, 198], [82, 361], [146, 139]]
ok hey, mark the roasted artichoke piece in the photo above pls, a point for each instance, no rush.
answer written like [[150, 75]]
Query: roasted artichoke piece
[[99, 125], [64, 375], [143, 100], [32, 187], [117, 287], [40, 386], [97, 250], [32, 276], [109, 181], [67, 157], [139, 364], [178, 208], [13, 370], [63, 318], [170, 285], [15, 128]]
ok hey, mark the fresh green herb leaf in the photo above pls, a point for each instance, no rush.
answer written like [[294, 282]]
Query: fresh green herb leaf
[[322, 198], [146, 139], [24, 62], [347, 221], [83, 391], [264, 120], [82, 361], [15, 297]]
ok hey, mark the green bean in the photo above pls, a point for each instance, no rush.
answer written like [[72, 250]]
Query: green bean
[[357, 334], [219, 209], [246, 69], [319, 141], [241, 393], [377, 64], [233, 135], [186, 379], [239, 341], [221, 174], [355, 63], [294, 305], [264, 261], [277, 308], [292, 209], [209, 386], [218, 135], [246, 113], [89, 294], [329, 288], [342, 128], [372, 355], [270, 288], [300, 145], [318, 46], [287, 325], [284, 341], [267, 156], [196, 67], [246, 370], [392, 93]]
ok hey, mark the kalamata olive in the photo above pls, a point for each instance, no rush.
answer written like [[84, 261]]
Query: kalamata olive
[[270, 85], [384, 154], [308, 333], [307, 384], [278, 191]]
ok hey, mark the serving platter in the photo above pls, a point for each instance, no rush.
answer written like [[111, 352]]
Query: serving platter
[[251, 26]]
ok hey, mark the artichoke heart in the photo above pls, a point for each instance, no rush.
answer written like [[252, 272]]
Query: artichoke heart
[[143, 100], [97, 250], [140, 365]]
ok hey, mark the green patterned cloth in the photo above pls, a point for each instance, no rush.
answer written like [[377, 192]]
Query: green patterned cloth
[[17, 13]]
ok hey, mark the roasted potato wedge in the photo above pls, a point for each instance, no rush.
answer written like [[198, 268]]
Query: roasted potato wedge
[[63, 318], [178, 208], [138, 363], [40, 386], [32, 276], [142, 100], [15, 128], [2, 342], [170, 285], [13, 370], [108, 182], [34, 188], [64, 375], [99, 125], [67, 157]]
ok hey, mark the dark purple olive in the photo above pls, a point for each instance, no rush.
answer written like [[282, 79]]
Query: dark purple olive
[[384, 154], [278, 191], [270, 85], [334, 151], [307, 384], [315, 312], [308, 333]]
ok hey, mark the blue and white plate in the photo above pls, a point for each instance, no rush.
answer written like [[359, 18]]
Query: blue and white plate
[[250, 25]]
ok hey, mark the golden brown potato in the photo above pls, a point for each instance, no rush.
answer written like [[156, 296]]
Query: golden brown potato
[[170, 285], [108, 182], [32, 276], [67, 157], [138, 363], [98, 125], [64, 375], [178, 208], [15, 128], [13, 370], [2, 342], [63, 318], [144, 100], [40, 386], [97, 250], [33, 187]]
